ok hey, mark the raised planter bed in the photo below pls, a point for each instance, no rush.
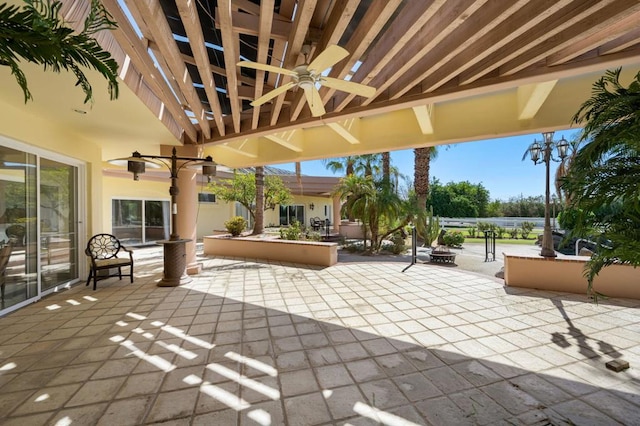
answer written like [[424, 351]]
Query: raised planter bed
[[566, 273], [306, 252]]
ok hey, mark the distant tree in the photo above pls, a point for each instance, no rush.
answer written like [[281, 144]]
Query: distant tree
[[243, 189], [421, 167], [459, 199], [35, 33]]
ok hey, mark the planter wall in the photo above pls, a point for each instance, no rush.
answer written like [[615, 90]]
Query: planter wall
[[306, 252], [566, 274]]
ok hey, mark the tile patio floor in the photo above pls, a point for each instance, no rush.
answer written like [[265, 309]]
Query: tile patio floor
[[249, 342]]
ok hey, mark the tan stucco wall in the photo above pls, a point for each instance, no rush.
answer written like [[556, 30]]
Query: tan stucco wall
[[305, 252], [23, 125], [566, 274]]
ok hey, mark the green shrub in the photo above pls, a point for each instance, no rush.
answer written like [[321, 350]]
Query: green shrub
[[483, 226], [398, 246], [312, 236], [473, 232], [453, 238], [526, 228], [236, 225], [513, 233], [500, 231], [292, 232]]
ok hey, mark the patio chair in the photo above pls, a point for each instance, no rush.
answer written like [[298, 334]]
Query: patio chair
[[316, 223], [103, 251]]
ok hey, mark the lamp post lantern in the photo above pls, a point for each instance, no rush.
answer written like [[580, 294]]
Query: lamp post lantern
[[174, 247], [543, 153]]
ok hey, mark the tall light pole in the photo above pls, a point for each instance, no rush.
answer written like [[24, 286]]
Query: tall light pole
[[547, 156], [174, 247]]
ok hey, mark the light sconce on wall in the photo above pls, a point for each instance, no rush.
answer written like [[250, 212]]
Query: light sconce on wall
[[311, 206]]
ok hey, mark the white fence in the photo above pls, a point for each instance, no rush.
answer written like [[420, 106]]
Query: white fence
[[505, 222]]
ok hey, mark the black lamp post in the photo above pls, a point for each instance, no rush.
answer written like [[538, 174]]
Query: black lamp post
[[174, 247], [547, 156]]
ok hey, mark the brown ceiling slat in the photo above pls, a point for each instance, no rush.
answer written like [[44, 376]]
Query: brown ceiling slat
[[609, 33], [547, 29], [472, 29], [524, 19], [406, 25], [625, 41], [153, 16], [443, 22], [137, 51], [304, 13], [339, 18], [191, 23], [368, 29], [592, 24], [231, 57], [256, 10], [266, 20]]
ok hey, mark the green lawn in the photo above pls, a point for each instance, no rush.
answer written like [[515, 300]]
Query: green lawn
[[519, 241]]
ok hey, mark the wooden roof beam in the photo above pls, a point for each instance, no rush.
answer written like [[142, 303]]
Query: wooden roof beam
[[424, 117], [445, 19], [368, 29], [625, 41], [349, 130], [156, 22], [231, 57], [527, 17], [191, 22], [338, 21], [264, 34], [409, 21], [304, 13], [620, 27], [587, 27], [531, 97], [549, 27], [137, 51], [482, 21]]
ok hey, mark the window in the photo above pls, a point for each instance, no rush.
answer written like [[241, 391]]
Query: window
[[290, 213], [140, 221], [205, 197]]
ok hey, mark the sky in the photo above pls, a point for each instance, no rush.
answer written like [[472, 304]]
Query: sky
[[495, 163]]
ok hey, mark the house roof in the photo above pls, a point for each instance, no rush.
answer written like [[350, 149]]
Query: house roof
[[443, 71]]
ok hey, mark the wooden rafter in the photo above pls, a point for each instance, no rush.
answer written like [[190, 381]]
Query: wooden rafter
[[191, 23], [158, 28], [136, 49]]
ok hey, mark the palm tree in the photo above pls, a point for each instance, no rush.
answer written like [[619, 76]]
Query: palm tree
[[386, 165], [565, 165], [422, 163], [603, 179], [375, 203], [35, 33], [258, 225]]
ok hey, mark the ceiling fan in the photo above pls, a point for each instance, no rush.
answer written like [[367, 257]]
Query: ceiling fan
[[306, 76]]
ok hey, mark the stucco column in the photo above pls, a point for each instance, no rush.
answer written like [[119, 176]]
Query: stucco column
[[336, 215], [187, 201]]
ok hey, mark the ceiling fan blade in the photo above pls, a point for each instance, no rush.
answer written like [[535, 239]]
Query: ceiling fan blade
[[328, 58], [314, 101], [265, 67], [348, 86], [272, 94]]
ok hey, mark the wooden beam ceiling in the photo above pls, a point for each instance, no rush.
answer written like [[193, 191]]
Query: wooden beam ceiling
[[411, 52]]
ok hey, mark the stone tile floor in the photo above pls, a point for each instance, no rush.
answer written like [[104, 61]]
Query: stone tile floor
[[249, 342]]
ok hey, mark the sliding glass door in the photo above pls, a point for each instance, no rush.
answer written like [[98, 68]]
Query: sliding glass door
[[38, 226]]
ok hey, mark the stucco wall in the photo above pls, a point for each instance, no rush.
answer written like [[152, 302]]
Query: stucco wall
[[566, 274]]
